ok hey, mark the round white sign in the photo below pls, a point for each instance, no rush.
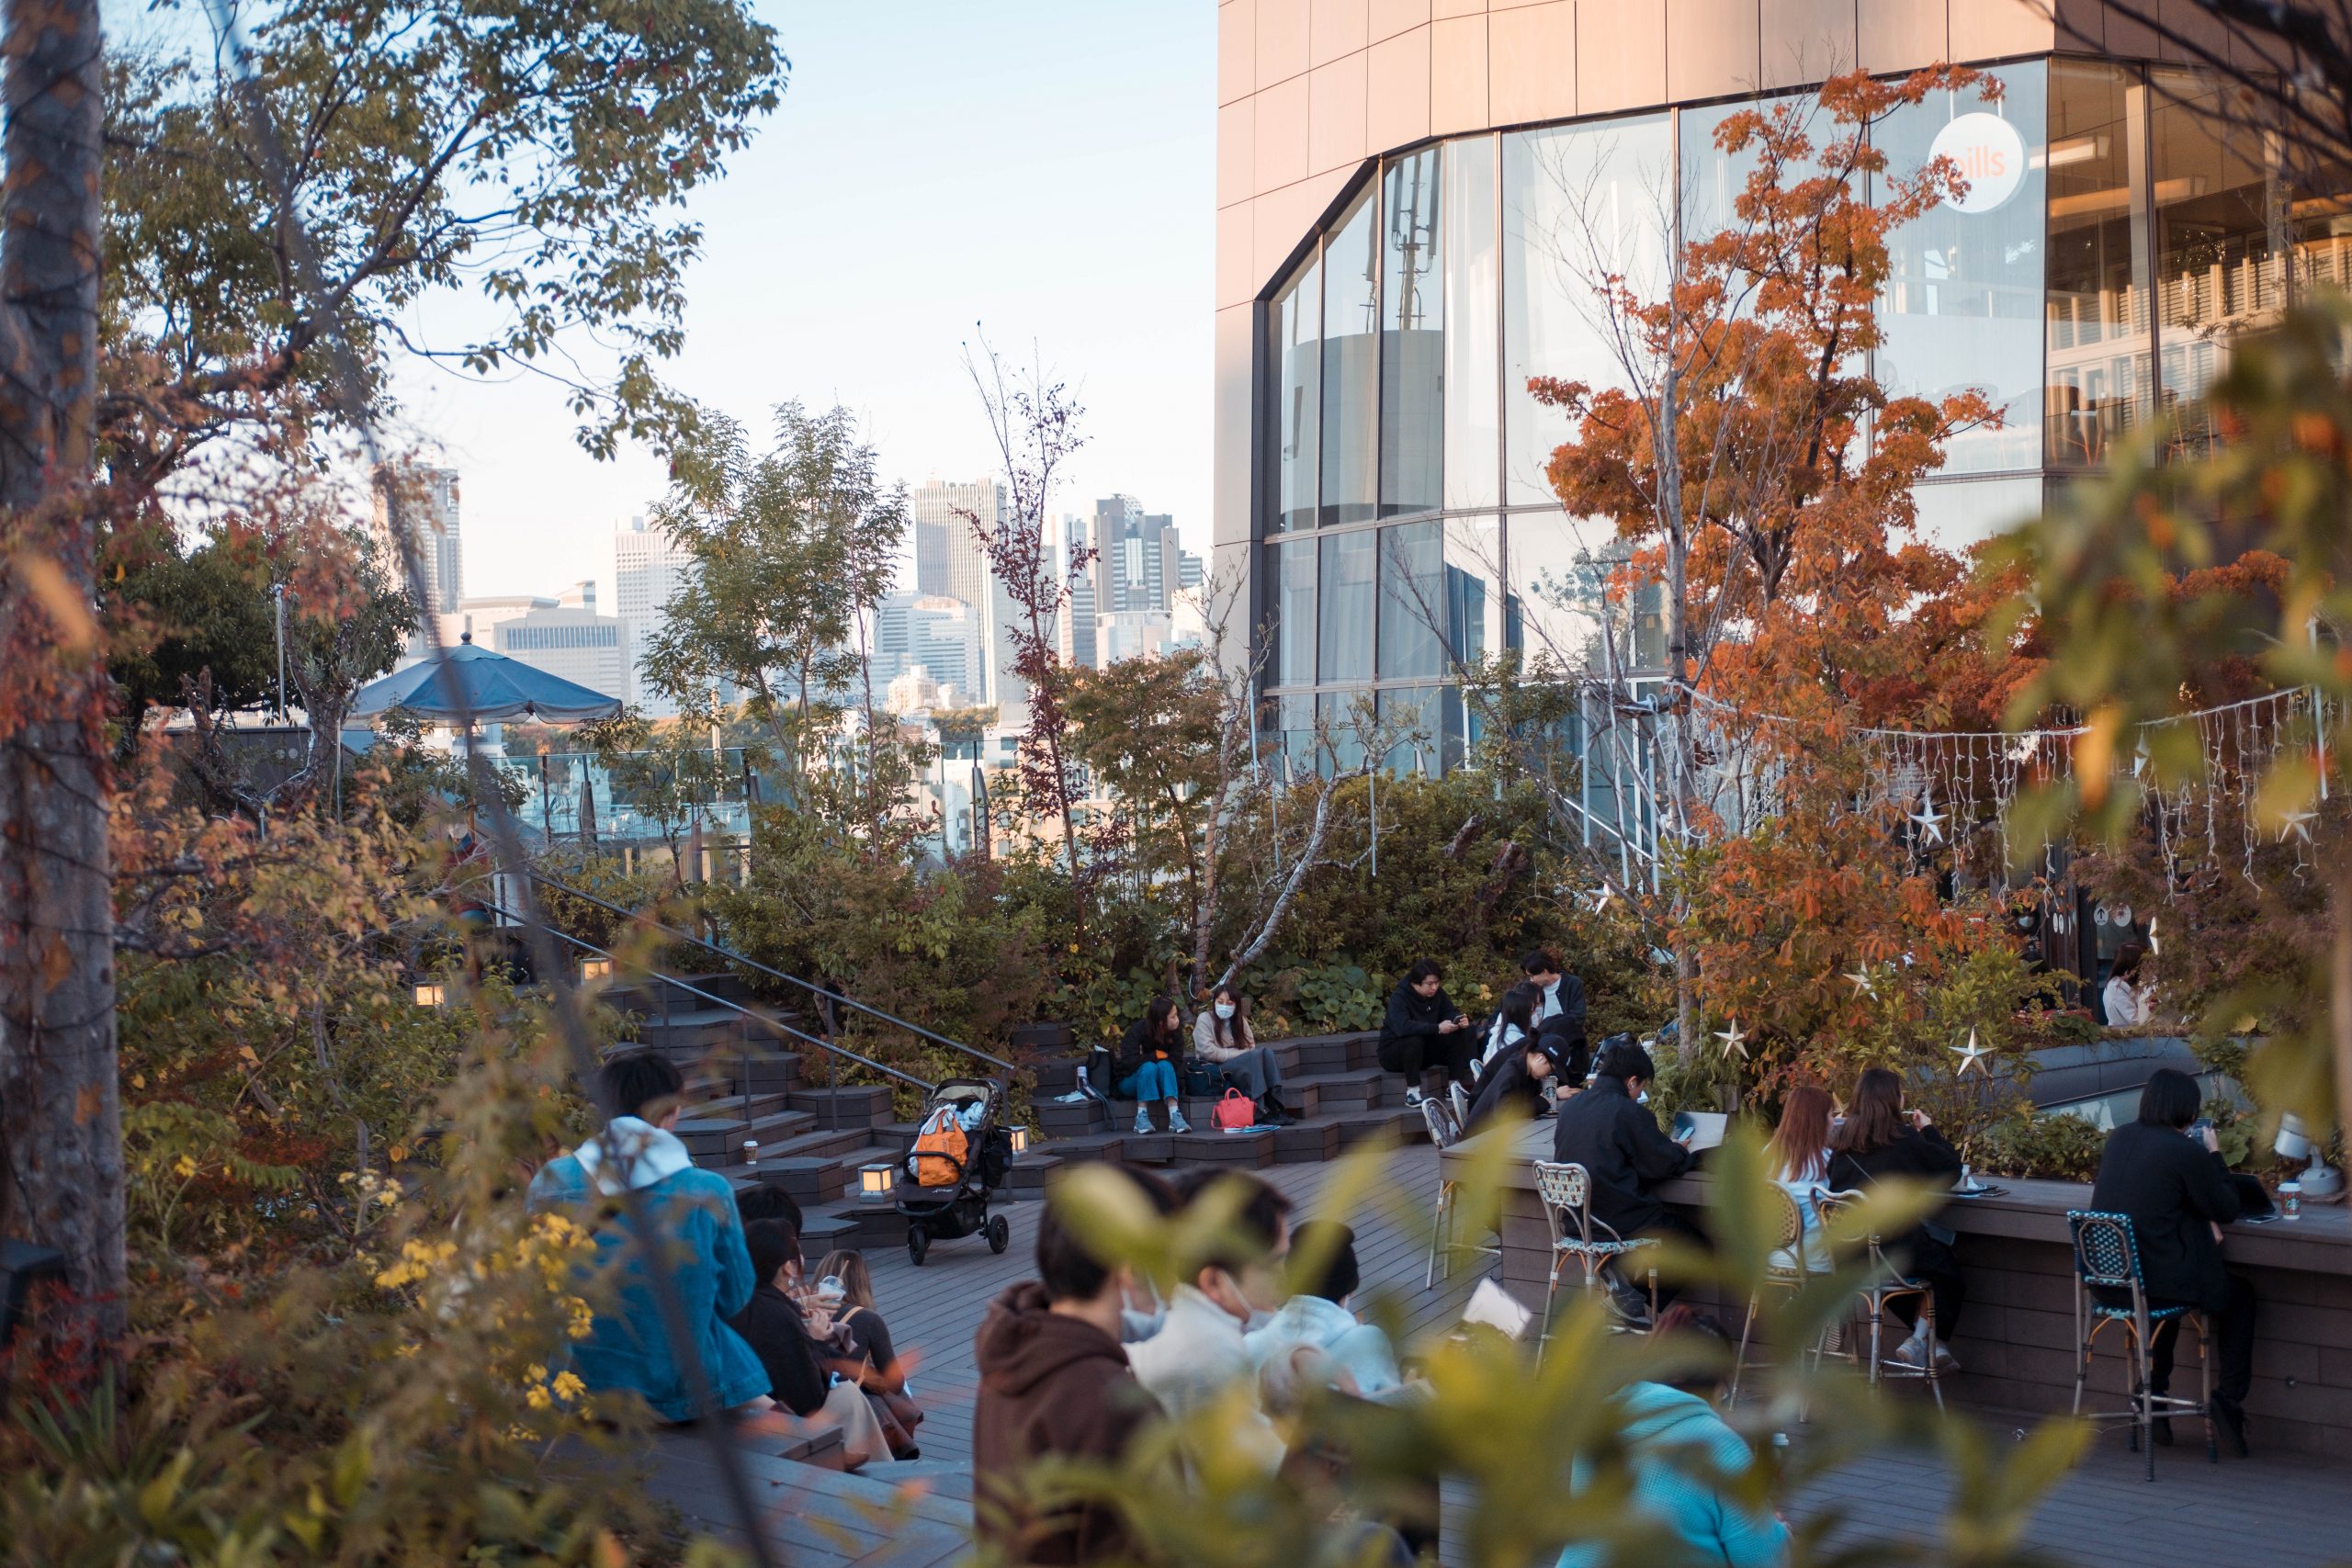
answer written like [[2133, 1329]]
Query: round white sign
[[1990, 156]]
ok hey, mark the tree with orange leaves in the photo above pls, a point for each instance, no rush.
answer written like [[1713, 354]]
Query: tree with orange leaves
[[1762, 479]]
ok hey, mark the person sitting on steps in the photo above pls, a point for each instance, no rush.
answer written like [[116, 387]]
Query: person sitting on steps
[[1425, 1037], [1222, 1036], [1144, 1069]]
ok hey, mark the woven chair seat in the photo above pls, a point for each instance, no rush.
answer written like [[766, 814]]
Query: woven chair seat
[[1608, 1248], [2155, 1314]]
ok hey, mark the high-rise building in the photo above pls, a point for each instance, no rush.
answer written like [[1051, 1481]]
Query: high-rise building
[[430, 505], [1136, 565], [948, 559], [1394, 281], [1190, 571], [938, 633], [648, 568], [572, 642], [1078, 643]]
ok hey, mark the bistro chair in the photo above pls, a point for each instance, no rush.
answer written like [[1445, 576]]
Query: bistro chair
[[1444, 1133], [1459, 1099], [2106, 1257], [1567, 1192], [1887, 1284], [1784, 1269]]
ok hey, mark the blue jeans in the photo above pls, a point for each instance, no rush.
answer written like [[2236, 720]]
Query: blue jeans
[[1153, 1081]]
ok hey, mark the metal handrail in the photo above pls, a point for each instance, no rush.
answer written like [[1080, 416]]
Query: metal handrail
[[761, 1018], [734, 957]]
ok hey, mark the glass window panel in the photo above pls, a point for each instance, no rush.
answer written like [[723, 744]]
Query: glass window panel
[[1713, 178], [1296, 355], [1556, 609], [2099, 370], [1294, 573], [1337, 713], [1473, 415], [1581, 204], [1346, 608], [2319, 220], [2220, 231], [1418, 717], [1962, 306], [1958, 515], [1464, 727], [1473, 596], [1412, 600], [1412, 347], [1296, 715], [1351, 356]]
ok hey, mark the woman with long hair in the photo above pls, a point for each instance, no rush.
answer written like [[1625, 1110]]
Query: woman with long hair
[[1144, 1068], [867, 1357], [1798, 1160], [1881, 1138], [1222, 1036], [1514, 1022]]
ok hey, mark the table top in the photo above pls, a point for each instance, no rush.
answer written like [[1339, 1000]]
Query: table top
[[2320, 1242]]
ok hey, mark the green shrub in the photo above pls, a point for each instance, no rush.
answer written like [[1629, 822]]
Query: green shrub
[[2061, 1148]]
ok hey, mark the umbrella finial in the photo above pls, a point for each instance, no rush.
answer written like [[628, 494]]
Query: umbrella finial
[[465, 636]]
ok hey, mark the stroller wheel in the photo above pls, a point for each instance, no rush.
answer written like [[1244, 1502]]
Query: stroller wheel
[[999, 1232], [918, 1244]]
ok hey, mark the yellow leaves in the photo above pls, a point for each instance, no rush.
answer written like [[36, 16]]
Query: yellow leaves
[[246, 1055]]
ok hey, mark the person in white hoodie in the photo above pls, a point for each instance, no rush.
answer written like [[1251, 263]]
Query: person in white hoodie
[[1314, 1336], [1199, 1355]]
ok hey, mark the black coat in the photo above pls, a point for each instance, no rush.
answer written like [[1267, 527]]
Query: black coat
[[1621, 1146], [772, 1326], [1505, 1080], [1412, 1016], [1136, 1048], [1921, 1155], [2176, 1191], [1569, 1020]]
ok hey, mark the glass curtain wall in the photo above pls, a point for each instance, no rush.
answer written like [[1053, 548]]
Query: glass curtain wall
[[2115, 234]]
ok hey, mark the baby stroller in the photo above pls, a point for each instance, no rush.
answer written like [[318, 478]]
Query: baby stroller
[[961, 1156]]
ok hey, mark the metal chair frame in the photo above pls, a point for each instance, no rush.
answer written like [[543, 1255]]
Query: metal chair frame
[[1444, 1133], [1566, 1190], [1790, 1241], [1887, 1284], [2106, 1255]]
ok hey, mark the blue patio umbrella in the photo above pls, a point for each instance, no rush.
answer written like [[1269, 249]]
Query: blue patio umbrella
[[465, 681]]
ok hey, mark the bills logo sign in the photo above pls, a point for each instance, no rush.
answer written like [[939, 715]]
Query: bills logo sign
[[1990, 156]]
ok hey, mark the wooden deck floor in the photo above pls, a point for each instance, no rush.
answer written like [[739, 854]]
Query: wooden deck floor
[[2271, 1512]]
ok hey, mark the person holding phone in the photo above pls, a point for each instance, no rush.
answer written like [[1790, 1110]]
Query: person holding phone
[[2178, 1192], [1425, 1037], [1609, 1132], [1881, 1138]]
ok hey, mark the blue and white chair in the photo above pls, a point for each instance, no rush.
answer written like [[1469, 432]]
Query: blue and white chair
[[2106, 1257]]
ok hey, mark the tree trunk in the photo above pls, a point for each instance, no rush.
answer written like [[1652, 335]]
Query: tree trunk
[[1678, 650], [61, 1127]]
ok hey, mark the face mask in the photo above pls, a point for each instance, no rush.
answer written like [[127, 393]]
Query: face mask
[[1642, 1098], [1224, 1009], [1138, 1324]]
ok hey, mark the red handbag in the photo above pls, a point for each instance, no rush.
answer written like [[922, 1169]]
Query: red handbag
[[1234, 1113]]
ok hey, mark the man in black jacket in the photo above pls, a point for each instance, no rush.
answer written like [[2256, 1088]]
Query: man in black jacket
[[1609, 1131], [2178, 1192]]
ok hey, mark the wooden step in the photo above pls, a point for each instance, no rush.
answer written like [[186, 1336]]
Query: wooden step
[[858, 1105], [1307, 1143], [761, 1071], [1358, 1089], [1245, 1151]]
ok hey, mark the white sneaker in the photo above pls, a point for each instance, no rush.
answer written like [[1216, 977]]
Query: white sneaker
[[1910, 1355], [1176, 1123], [1143, 1122], [1412, 1099]]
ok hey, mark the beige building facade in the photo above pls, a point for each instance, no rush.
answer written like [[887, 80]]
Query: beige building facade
[[1397, 184]]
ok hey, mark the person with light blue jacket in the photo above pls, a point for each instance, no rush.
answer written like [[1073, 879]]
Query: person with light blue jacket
[[693, 1214], [1348, 1354], [1682, 1457]]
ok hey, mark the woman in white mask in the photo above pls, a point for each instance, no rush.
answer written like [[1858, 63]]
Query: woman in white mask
[[1222, 1034]]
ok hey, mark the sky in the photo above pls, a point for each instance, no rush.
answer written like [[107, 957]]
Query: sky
[[1042, 168]]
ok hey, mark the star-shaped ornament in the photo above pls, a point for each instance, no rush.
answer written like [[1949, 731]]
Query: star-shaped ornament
[[1973, 1056], [1733, 1040], [1863, 983], [1929, 820], [2155, 947], [1598, 899], [2299, 823]]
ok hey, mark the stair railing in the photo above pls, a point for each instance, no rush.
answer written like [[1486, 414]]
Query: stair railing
[[835, 1055], [753, 965]]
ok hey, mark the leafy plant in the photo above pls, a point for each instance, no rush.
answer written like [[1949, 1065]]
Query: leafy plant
[[2060, 1146]]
